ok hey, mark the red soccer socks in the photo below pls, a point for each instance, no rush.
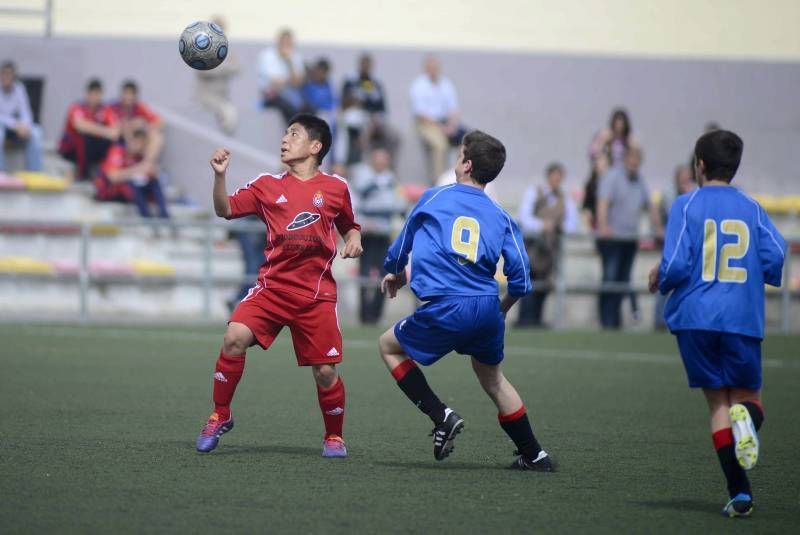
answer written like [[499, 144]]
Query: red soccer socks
[[331, 403], [227, 374]]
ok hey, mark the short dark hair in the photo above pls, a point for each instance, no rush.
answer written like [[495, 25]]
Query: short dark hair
[[487, 154], [8, 64], [720, 152], [553, 167], [323, 63], [94, 84], [318, 130], [130, 84]]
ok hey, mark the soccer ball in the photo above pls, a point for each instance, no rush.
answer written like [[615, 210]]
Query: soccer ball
[[203, 45]]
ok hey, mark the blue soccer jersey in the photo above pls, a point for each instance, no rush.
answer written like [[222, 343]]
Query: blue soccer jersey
[[719, 251], [456, 236]]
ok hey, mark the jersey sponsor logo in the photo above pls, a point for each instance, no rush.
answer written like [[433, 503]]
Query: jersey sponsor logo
[[281, 199], [318, 199], [219, 376], [302, 220], [335, 412], [333, 352]]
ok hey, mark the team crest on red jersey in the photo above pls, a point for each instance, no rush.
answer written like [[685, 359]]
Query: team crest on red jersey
[[318, 200]]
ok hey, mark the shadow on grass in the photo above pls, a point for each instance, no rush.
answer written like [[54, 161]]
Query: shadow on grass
[[683, 504], [446, 465], [233, 449]]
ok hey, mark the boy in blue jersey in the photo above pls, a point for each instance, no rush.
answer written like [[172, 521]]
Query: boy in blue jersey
[[455, 236], [719, 251]]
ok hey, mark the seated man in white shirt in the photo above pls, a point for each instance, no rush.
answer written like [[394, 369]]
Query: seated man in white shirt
[[281, 75], [434, 103], [545, 213], [16, 119]]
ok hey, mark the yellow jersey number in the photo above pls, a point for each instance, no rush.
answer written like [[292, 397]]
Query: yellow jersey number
[[729, 251], [467, 248]]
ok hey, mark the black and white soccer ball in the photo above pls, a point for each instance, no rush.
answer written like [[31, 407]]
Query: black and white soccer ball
[[203, 45]]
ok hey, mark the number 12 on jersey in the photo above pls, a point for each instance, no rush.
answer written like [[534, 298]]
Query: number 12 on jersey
[[464, 238], [729, 251]]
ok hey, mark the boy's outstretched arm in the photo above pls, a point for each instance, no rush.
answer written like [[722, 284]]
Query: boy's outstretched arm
[[219, 163]]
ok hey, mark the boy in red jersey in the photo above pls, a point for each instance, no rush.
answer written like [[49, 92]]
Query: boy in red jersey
[[295, 287], [90, 129], [134, 115]]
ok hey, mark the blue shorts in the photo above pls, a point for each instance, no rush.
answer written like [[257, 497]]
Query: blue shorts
[[720, 360], [468, 325]]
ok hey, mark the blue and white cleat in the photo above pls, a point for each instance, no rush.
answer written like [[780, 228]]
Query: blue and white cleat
[[333, 446], [740, 506], [214, 428], [745, 438]]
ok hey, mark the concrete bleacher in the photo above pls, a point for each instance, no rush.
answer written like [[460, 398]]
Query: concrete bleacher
[[154, 270]]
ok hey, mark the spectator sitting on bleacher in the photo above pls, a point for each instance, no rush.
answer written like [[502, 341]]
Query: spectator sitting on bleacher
[[363, 115], [281, 75], [126, 176], [318, 92], [134, 115], [90, 129], [16, 119], [434, 103]]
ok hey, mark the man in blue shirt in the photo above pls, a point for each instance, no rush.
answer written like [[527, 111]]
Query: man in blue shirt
[[455, 236], [720, 250]]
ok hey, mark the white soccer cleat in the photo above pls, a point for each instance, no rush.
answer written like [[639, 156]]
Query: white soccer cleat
[[745, 438]]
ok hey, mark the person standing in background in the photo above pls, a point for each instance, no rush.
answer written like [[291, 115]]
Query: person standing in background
[[545, 213], [212, 88], [621, 197], [376, 201]]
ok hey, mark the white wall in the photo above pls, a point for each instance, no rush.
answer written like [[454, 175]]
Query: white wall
[[741, 29]]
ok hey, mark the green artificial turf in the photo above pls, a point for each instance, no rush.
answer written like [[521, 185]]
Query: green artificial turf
[[98, 428]]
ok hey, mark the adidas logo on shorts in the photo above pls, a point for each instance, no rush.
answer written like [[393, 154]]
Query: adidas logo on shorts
[[335, 412], [333, 352]]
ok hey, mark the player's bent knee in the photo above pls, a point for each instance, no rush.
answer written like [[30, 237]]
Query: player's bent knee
[[237, 339], [325, 374]]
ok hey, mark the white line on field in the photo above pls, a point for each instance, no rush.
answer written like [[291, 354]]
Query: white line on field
[[548, 352]]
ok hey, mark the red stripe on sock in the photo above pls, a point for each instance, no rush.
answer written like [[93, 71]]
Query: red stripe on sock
[[402, 369], [722, 438], [516, 415]]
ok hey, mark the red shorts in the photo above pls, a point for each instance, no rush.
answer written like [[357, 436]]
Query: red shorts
[[313, 323]]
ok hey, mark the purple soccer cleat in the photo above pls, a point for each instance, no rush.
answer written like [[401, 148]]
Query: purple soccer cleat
[[214, 428], [333, 446]]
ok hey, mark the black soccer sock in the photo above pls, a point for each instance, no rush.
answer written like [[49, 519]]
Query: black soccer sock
[[412, 382], [734, 473], [756, 411], [519, 430]]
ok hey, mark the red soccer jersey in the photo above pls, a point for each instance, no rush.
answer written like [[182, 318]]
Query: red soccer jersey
[[300, 217], [139, 109], [103, 115]]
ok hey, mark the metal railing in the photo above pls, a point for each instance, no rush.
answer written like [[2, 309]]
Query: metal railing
[[209, 230]]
